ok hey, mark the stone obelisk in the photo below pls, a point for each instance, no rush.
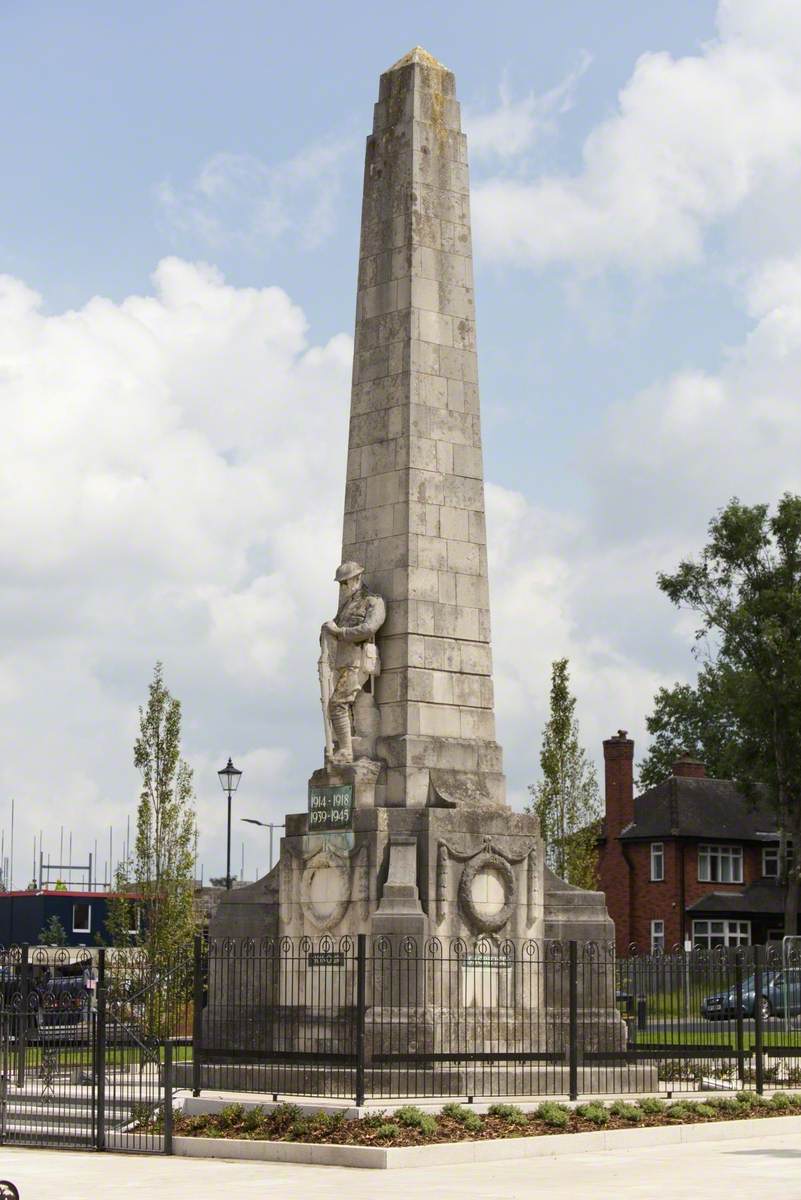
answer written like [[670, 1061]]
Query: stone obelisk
[[414, 504]]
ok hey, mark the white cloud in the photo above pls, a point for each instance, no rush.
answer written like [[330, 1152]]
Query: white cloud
[[693, 140], [164, 462], [516, 125], [240, 200]]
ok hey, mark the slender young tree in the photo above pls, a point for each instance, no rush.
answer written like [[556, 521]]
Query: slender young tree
[[53, 933], [566, 798], [745, 588], [161, 870]]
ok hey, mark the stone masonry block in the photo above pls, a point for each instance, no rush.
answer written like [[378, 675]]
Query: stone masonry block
[[429, 390], [477, 723], [463, 558], [432, 552], [454, 523], [472, 591], [454, 427], [441, 654], [384, 489], [441, 720], [447, 588], [450, 620], [475, 658], [444, 458], [457, 364], [461, 492], [435, 327], [478, 527], [418, 583], [374, 523]]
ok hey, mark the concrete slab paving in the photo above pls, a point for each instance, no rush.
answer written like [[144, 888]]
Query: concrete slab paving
[[680, 1172]]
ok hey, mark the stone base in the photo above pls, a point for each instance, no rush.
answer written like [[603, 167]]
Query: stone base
[[442, 772]]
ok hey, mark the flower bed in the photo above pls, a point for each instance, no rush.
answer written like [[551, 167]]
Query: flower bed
[[411, 1126]]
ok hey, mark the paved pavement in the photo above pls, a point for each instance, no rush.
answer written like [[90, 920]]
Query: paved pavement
[[734, 1168]]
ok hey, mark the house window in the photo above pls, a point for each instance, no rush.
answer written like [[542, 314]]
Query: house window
[[134, 922], [707, 934], [82, 918], [657, 862], [657, 936], [720, 864], [770, 860]]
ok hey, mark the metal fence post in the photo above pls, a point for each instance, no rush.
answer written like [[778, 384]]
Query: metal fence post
[[168, 1085], [24, 1014], [738, 984], [573, 1020], [361, 1005], [197, 1015], [100, 1069], [759, 1060]]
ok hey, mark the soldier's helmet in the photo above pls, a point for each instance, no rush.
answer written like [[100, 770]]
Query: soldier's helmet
[[347, 570]]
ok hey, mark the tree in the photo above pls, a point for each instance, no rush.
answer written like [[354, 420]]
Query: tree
[[711, 721], [53, 933], [161, 872], [566, 798], [745, 588]]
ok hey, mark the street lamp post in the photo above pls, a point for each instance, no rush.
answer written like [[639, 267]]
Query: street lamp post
[[229, 778], [271, 825]]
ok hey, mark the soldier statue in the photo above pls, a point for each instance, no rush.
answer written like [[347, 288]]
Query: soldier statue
[[348, 658]]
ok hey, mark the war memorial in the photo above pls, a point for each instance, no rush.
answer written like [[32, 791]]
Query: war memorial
[[408, 887]]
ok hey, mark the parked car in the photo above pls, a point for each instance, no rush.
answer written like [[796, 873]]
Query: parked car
[[780, 995]]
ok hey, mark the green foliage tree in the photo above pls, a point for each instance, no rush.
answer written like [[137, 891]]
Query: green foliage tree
[[53, 933], [566, 798], [161, 871], [745, 588], [710, 720]]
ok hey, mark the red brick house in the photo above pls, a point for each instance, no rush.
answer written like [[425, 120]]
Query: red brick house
[[690, 860]]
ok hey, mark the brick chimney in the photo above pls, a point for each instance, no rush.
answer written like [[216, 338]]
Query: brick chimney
[[619, 780], [689, 768]]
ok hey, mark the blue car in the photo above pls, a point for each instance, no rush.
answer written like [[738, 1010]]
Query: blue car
[[780, 995]]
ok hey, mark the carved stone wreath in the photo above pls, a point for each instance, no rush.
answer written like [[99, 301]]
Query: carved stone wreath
[[485, 862], [342, 873]]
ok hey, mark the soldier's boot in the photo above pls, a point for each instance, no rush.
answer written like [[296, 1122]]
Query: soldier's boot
[[340, 722]]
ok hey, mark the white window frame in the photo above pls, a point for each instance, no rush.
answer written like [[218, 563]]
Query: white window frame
[[81, 928], [725, 932], [770, 853], [716, 860], [657, 936], [657, 862]]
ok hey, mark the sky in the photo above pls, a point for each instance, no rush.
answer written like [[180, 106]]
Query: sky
[[179, 220]]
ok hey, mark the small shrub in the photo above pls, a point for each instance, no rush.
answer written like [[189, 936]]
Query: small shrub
[[232, 1114], [705, 1110], [253, 1119], [725, 1104], [598, 1114], [651, 1106], [284, 1115], [387, 1129], [679, 1111], [781, 1101], [465, 1116], [414, 1118], [299, 1129], [510, 1113], [626, 1112], [329, 1120], [747, 1099], [552, 1114], [379, 1117]]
